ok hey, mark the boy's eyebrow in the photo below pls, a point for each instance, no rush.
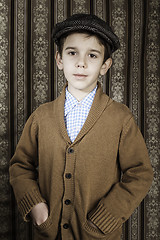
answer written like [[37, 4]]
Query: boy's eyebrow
[[95, 50], [92, 50], [67, 48]]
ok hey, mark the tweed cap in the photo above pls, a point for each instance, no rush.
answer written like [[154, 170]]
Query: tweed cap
[[86, 22]]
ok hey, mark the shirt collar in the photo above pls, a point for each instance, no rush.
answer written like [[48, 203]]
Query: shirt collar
[[71, 101]]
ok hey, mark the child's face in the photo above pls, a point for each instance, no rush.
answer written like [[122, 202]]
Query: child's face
[[82, 62]]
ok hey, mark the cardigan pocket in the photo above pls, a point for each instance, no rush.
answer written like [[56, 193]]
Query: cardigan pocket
[[46, 230], [96, 233], [42, 227]]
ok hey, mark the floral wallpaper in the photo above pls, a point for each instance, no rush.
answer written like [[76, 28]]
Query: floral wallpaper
[[29, 77]]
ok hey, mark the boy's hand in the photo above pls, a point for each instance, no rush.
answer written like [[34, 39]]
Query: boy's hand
[[92, 225], [39, 213]]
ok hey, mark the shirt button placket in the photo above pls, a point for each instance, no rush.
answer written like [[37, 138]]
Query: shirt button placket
[[68, 190]]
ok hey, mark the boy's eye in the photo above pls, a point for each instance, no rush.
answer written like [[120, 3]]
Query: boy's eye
[[72, 53], [91, 55]]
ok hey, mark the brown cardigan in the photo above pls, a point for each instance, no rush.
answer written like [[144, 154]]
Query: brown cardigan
[[81, 180]]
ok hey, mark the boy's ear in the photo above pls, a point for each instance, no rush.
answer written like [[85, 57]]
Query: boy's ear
[[106, 66], [59, 60]]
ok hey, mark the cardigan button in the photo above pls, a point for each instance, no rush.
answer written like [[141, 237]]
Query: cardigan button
[[70, 150], [67, 202], [66, 226], [68, 175]]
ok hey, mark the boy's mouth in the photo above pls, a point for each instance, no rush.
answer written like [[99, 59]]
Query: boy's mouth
[[80, 75]]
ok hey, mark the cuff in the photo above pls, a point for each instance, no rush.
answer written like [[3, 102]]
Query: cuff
[[104, 220], [28, 202]]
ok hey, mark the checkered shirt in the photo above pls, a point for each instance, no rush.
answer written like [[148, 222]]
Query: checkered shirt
[[75, 112]]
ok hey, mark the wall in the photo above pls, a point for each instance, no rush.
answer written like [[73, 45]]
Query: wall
[[29, 77]]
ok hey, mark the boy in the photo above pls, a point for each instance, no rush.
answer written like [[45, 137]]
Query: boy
[[81, 142]]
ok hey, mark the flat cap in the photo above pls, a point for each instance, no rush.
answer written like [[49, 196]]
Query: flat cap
[[86, 22]]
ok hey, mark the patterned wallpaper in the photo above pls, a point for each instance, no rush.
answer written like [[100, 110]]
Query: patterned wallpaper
[[5, 210], [152, 117], [29, 77]]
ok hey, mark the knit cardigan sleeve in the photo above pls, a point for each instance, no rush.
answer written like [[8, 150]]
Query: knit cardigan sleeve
[[115, 208], [23, 174]]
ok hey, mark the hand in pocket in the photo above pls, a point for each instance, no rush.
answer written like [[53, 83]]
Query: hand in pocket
[[39, 213]]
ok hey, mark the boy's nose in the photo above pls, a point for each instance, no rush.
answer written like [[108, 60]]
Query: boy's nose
[[81, 63]]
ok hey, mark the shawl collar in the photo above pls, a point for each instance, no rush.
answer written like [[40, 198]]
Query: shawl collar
[[100, 102]]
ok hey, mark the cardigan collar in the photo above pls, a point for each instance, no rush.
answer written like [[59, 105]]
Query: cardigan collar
[[100, 102]]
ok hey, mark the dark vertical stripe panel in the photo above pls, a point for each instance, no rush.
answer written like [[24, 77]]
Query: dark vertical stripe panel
[[91, 7], [142, 226], [130, 40], [107, 11], [28, 61], [49, 49], [15, 137], [143, 49], [11, 112], [5, 211], [68, 7], [126, 7], [52, 10]]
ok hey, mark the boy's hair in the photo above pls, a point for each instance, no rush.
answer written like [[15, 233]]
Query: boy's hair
[[107, 50]]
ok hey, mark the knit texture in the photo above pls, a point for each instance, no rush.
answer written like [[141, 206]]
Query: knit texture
[[81, 181]]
